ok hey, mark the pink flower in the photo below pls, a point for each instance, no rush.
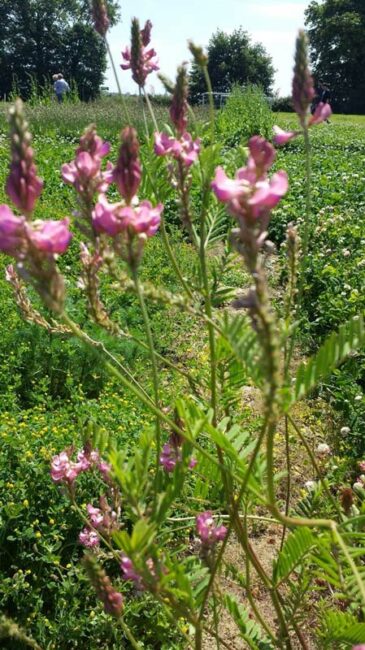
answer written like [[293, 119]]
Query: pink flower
[[169, 457], [113, 603], [227, 189], [105, 469], [193, 462], [282, 137], [269, 193], [262, 155], [323, 112], [63, 470], [207, 531], [96, 516], [106, 217], [359, 647], [251, 194], [185, 149], [89, 538], [137, 58], [82, 171], [362, 465], [129, 572], [12, 232], [49, 236], [93, 144], [23, 186]]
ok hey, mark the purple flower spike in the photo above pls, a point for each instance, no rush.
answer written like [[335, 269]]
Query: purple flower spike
[[207, 531]]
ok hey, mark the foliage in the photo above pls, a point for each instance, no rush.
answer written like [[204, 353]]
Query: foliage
[[335, 29], [172, 376], [40, 38], [233, 59], [246, 113]]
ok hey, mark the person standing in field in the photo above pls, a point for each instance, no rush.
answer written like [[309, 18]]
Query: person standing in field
[[60, 87]]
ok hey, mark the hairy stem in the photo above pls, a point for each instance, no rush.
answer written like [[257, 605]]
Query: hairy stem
[[155, 380]]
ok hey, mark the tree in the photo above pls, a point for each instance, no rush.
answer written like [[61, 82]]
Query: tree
[[41, 37], [233, 59], [336, 31]]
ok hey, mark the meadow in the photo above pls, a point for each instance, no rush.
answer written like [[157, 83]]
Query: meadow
[[54, 390]]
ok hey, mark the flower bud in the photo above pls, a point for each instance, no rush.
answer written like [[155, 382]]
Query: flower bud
[[23, 185], [200, 58], [112, 599], [100, 17], [127, 172], [303, 90], [179, 104]]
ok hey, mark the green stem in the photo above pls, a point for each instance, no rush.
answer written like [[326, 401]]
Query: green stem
[[288, 480], [150, 108], [174, 263], [155, 381], [129, 635], [144, 114], [211, 103], [117, 81]]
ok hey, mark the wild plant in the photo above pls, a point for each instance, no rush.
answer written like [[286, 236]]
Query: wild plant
[[200, 458]]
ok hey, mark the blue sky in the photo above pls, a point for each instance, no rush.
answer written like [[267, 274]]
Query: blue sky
[[270, 22]]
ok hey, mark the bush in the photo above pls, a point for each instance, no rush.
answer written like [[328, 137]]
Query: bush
[[246, 113], [282, 104]]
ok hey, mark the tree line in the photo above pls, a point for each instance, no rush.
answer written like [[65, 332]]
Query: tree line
[[41, 37]]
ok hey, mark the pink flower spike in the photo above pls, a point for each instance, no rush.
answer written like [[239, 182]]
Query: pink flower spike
[[225, 188], [12, 232], [95, 515], [262, 154], [89, 538], [51, 237], [169, 457], [163, 144], [193, 462], [129, 572], [282, 137], [323, 112], [207, 531]]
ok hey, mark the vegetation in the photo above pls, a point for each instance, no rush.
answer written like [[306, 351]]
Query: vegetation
[[233, 59], [39, 38], [335, 29], [153, 415]]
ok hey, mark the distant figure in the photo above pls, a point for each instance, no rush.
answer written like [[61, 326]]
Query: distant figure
[[60, 87], [323, 95]]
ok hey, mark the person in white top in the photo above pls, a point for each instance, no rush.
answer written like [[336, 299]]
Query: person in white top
[[60, 87]]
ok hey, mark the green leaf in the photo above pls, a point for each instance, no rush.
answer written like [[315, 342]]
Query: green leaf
[[249, 630], [243, 343], [296, 547], [349, 338], [343, 627]]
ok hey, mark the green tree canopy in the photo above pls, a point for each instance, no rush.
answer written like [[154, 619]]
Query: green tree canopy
[[233, 59], [336, 30], [41, 37]]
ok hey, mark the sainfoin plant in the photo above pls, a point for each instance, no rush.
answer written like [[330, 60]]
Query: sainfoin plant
[[198, 441]]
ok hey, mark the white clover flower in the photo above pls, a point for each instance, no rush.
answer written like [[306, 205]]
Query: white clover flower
[[323, 450], [345, 431]]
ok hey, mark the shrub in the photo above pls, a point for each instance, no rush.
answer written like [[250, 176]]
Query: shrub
[[246, 113]]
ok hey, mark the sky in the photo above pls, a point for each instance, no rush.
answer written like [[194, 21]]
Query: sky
[[274, 23]]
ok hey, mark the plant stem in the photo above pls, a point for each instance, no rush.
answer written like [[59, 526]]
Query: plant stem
[[152, 112], [144, 114], [129, 635], [155, 381], [288, 480], [172, 258], [211, 102], [117, 81]]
